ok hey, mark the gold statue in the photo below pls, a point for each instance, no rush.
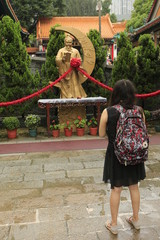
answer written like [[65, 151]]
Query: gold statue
[[70, 86]]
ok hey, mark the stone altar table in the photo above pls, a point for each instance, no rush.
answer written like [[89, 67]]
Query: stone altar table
[[71, 102]]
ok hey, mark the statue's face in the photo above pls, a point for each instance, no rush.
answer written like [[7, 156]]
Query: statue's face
[[68, 45]]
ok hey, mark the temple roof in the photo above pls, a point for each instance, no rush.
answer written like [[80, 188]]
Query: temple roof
[[155, 10], [84, 24], [6, 9], [153, 19]]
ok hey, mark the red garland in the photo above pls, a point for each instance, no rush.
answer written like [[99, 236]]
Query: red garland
[[145, 95], [75, 63]]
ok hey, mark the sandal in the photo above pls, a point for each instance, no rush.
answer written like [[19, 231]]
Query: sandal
[[112, 229], [135, 224]]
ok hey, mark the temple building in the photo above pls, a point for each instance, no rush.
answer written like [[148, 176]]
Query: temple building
[[152, 25], [6, 9], [84, 24]]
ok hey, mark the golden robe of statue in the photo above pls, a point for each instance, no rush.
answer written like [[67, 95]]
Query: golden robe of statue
[[70, 87]]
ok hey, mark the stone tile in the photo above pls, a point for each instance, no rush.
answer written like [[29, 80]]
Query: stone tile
[[132, 234], [85, 225], [21, 185], [22, 169], [85, 173], [150, 205], [88, 236], [1, 170], [11, 177], [20, 216], [62, 166], [95, 188], [15, 162], [94, 164], [62, 213], [55, 175], [62, 190], [11, 194], [39, 231], [67, 181], [87, 198], [6, 204], [39, 202], [34, 176], [82, 158], [4, 232], [50, 160]]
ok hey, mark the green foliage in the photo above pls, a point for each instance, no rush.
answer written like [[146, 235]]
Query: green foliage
[[141, 65], [98, 73], [113, 18], [147, 115], [148, 65], [32, 121], [81, 8], [16, 80], [54, 126], [92, 122], [28, 12], [68, 125], [125, 65], [80, 122], [106, 6], [11, 123], [49, 69], [148, 70], [139, 14]]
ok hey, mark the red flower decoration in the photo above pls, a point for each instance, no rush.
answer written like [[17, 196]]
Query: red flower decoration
[[75, 62]]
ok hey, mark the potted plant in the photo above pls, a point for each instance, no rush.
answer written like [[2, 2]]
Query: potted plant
[[68, 129], [80, 124], [32, 121], [11, 124], [93, 126], [55, 128]]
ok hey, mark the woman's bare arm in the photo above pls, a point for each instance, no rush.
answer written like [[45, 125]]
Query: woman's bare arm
[[103, 123]]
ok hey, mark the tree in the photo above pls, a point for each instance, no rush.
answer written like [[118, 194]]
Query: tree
[[125, 65], [49, 69], [16, 80], [139, 14], [60, 6], [113, 18], [28, 12], [98, 73], [106, 6], [148, 68], [81, 8]]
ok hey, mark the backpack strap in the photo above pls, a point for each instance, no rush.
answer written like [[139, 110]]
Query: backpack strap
[[119, 108]]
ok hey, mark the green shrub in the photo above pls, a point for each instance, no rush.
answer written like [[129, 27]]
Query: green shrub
[[11, 123], [32, 121]]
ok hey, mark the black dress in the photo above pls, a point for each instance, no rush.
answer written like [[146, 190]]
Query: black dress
[[114, 172]]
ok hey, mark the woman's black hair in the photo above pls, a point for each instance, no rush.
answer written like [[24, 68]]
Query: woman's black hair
[[123, 93]]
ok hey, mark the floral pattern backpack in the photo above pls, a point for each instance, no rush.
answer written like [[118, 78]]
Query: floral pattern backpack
[[132, 141]]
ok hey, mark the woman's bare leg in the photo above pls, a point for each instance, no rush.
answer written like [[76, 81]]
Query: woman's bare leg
[[114, 203], [135, 199]]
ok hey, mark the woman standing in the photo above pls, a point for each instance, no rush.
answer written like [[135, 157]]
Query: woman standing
[[115, 173]]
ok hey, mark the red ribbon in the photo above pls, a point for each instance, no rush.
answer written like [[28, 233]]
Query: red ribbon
[[75, 63]]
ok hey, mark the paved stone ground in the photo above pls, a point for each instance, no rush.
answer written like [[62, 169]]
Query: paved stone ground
[[60, 196]]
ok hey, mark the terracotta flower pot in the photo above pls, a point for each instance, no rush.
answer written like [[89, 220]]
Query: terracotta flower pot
[[68, 132], [55, 133], [80, 131], [93, 131], [12, 133]]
